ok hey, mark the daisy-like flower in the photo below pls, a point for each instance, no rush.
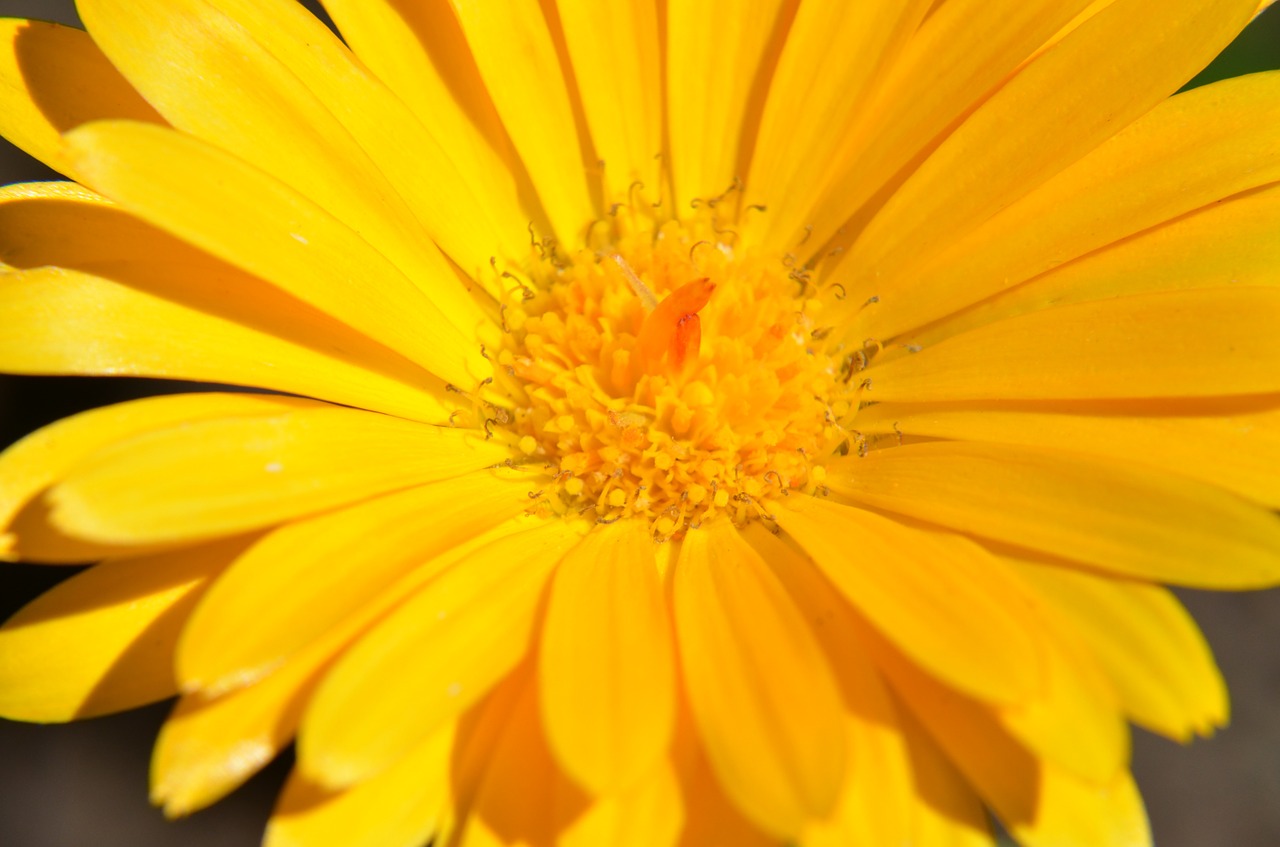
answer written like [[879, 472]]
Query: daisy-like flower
[[716, 423]]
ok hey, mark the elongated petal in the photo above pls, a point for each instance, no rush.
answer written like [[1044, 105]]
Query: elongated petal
[[304, 579], [834, 55], [46, 316], [47, 455], [1043, 806], [431, 659], [1228, 243], [1128, 346], [708, 90], [1245, 436], [103, 641], [219, 476], [520, 796], [938, 77], [43, 93], [1041, 121], [1191, 150], [514, 50], [606, 670], [649, 814], [401, 807], [615, 55], [418, 50], [1156, 657], [269, 84], [1116, 517], [196, 192], [208, 747], [763, 697], [910, 584]]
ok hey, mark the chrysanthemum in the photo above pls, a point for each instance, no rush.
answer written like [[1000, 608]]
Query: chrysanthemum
[[687, 423]]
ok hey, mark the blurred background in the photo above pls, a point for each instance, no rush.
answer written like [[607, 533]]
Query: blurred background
[[85, 784]]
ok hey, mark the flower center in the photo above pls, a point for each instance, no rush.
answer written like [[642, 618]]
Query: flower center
[[664, 376]]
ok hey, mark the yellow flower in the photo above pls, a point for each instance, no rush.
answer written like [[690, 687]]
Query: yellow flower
[[689, 423]]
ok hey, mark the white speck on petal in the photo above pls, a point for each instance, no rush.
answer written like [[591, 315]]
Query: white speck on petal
[[454, 689], [300, 238], [273, 467]]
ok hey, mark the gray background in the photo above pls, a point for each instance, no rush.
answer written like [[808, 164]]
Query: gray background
[[85, 784]]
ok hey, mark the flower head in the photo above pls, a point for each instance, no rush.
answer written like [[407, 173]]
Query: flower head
[[686, 424]]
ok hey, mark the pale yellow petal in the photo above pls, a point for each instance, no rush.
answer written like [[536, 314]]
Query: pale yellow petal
[[103, 641], [431, 659], [1041, 121], [834, 56], [714, 52], [306, 578], [1188, 152], [943, 600], [516, 55], [1234, 445], [401, 807], [54, 78], [614, 48], [224, 475], [606, 668], [1111, 516], [763, 696], [196, 192], [47, 455], [1134, 345], [267, 83], [1157, 660]]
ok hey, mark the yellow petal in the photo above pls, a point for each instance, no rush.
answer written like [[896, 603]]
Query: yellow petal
[[763, 697], [516, 55], [943, 600], [649, 814], [615, 49], [53, 78], [269, 84], [606, 671], [401, 807], [1190, 151], [1234, 445], [947, 811], [46, 456], [223, 475], [196, 192], [304, 579], [432, 658], [714, 51], [145, 322], [834, 55], [1228, 243], [1041, 805], [881, 801], [419, 52], [520, 797], [1116, 517], [1141, 635], [1041, 121], [1128, 346], [208, 747], [939, 76], [103, 641]]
